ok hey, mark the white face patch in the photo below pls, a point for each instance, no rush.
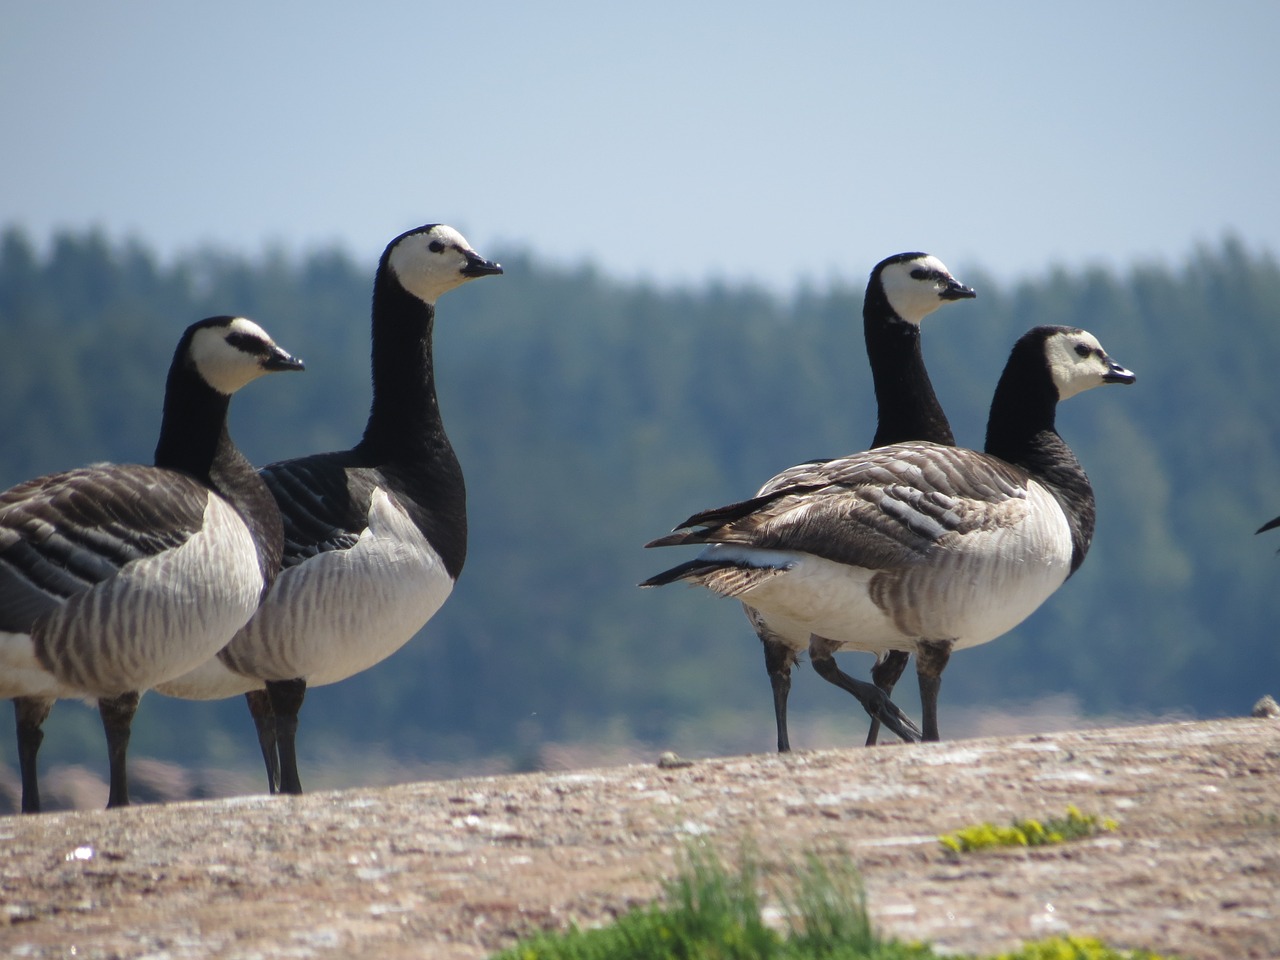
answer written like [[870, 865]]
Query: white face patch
[[225, 366], [1077, 362], [431, 263], [914, 298]]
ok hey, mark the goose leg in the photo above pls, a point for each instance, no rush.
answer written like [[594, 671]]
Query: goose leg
[[117, 723], [264, 721], [873, 699], [931, 660], [30, 713], [885, 675], [286, 700], [778, 659]]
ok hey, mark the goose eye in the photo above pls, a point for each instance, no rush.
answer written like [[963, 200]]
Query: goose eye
[[919, 273], [1083, 350], [435, 246]]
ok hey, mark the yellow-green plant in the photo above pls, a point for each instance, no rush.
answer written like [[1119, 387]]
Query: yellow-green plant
[[1075, 948], [1027, 833]]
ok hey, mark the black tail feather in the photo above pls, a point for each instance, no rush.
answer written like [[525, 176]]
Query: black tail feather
[[681, 572], [710, 521]]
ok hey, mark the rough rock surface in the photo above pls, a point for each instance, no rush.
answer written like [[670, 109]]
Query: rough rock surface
[[457, 869]]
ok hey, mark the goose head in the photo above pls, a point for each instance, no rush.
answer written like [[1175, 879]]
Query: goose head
[[229, 352], [916, 284], [433, 259], [1077, 361]]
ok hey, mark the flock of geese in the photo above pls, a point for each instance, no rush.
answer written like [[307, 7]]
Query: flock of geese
[[203, 578], [915, 546]]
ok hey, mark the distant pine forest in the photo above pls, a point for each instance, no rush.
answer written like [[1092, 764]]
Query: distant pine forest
[[591, 415]]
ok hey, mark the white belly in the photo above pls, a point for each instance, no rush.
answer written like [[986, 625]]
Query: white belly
[[211, 680], [158, 618], [20, 672], [339, 613], [970, 591]]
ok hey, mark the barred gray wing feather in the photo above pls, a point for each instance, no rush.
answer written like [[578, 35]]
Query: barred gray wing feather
[[324, 502], [882, 509], [61, 534]]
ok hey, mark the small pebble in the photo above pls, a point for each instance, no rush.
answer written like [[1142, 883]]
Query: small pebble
[[1266, 708]]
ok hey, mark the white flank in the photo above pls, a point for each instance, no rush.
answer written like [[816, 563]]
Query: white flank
[[212, 680], [20, 672], [341, 612], [971, 588], [159, 617]]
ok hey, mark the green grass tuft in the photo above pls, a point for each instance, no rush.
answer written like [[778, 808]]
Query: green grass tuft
[[711, 913]]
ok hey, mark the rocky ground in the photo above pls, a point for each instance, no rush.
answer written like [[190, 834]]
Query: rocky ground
[[457, 869]]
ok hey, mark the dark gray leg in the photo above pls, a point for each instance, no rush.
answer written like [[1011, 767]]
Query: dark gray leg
[[872, 698], [931, 660], [30, 713], [885, 675], [778, 659], [286, 700], [117, 722], [264, 721]]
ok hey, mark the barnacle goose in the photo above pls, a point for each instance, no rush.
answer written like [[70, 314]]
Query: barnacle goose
[[114, 578], [375, 536], [918, 546], [901, 291]]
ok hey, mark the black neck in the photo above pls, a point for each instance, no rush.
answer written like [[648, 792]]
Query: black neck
[[405, 439], [906, 406], [194, 440], [404, 421], [1021, 431], [193, 427]]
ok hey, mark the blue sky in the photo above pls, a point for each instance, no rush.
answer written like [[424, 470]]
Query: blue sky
[[778, 143]]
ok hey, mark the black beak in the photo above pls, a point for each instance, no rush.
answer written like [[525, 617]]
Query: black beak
[[278, 360], [956, 290], [1117, 374], [478, 266]]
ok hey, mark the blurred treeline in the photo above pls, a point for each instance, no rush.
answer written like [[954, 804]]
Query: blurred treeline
[[591, 415]]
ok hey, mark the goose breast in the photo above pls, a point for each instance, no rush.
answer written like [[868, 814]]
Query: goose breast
[[381, 589]]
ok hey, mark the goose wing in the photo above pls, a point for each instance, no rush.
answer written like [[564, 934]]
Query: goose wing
[[881, 509], [324, 501], [61, 534]]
